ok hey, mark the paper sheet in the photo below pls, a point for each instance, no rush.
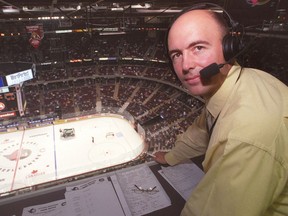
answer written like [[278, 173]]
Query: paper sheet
[[96, 197], [143, 192], [183, 177], [55, 208]]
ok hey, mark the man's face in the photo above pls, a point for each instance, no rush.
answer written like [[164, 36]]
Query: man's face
[[194, 42]]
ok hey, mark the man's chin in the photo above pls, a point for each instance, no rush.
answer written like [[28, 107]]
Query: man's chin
[[196, 91]]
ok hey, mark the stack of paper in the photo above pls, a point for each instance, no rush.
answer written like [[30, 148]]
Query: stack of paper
[[183, 177], [134, 191]]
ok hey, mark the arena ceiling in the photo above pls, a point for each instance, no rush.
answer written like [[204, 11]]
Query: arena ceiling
[[247, 12]]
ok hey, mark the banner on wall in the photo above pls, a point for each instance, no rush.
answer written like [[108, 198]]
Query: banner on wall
[[37, 34]]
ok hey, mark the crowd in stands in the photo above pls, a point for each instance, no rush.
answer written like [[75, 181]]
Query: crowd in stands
[[144, 99], [146, 88]]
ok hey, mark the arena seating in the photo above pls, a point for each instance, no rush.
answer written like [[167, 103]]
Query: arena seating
[[145, 88]]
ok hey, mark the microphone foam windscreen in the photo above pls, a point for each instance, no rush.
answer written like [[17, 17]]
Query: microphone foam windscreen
[[209, 71]]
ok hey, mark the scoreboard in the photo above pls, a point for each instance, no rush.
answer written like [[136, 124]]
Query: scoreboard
[[8, 103], [12, 101]]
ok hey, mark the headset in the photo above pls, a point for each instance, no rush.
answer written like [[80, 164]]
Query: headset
[[232, 42]]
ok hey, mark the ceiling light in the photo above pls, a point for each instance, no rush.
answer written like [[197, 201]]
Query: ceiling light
[[117, 9], [146, 5], [10, 9]]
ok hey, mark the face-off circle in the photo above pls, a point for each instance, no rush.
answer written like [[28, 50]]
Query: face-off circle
[[27, 155]]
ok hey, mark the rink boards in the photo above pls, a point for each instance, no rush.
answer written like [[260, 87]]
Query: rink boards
[[34, 156]]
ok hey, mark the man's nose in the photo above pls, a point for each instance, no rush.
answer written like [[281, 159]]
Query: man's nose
[[187, 63]]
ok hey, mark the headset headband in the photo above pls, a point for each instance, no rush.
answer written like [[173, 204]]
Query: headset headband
[[207, 6]]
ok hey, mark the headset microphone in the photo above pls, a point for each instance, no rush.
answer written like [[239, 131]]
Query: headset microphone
[[210, 70]]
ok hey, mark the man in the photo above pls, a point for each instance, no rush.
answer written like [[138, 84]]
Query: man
[[246, 145]]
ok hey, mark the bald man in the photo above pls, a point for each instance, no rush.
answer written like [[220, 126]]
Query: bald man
[[243, 129]]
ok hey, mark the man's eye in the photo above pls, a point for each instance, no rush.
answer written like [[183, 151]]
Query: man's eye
[[199, 48], [175, 55]]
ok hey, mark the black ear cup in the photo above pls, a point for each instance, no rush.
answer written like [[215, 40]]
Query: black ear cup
[[232, 45]]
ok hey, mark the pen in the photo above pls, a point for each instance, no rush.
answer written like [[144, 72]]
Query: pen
[[139, 188], [152, 155]]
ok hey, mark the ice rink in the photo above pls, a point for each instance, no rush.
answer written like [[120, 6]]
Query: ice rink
[[43, 154]]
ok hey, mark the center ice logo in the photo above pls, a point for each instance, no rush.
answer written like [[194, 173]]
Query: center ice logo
[[20, 153]]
